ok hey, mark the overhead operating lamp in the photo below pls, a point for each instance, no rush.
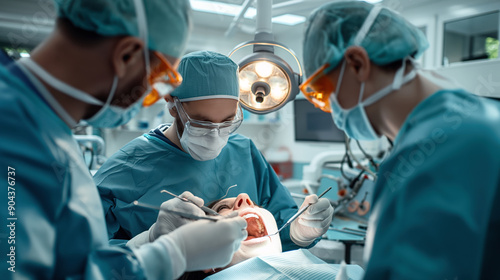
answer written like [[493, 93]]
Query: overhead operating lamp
[[267, 82]]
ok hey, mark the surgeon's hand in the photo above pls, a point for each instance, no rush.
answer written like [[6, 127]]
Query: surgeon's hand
[[168, 222], [313, 223], [205, 244]]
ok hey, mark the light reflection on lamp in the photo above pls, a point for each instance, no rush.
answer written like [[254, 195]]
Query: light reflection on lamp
[[264, 69], [279, 87], [247, 78]]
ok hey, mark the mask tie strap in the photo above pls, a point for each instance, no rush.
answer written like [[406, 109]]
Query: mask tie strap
[[386, 90], [398, 77], [415, 63], [59, 85]]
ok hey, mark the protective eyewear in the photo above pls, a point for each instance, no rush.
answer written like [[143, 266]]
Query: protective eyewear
[[201, 128], [320, 98], [164, 76]]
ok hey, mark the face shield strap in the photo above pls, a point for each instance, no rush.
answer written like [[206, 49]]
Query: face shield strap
[[170, 105], [360, 36], [367, 25], [143, 31], [180, 111]]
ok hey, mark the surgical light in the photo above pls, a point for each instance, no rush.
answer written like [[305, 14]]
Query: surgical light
[[267, 82]]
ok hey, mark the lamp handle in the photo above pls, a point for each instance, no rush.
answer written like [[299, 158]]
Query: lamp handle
[[264, 43]]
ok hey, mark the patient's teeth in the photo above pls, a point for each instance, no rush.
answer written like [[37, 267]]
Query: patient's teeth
[[250, 215]]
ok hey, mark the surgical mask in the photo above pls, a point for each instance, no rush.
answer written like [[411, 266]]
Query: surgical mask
[[113, 116], [201, 139], [109, 115], [205, 146], [354, 121]]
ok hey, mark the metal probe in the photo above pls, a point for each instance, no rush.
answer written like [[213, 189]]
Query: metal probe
[[297, 214]]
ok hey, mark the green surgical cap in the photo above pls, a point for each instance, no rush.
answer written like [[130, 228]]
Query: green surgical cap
[[168, 21], [331, 29], [207, 75]]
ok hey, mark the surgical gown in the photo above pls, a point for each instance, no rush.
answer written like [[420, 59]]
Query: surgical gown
[[57, 224], [149, 164], [437, 200]]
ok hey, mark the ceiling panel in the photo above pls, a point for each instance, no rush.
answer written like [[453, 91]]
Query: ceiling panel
[[29, 21]]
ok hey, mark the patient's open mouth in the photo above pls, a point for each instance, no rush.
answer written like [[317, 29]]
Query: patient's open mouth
[[256, 227]]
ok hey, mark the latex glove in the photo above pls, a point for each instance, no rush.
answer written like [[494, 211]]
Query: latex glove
[[313, 223], [205, 244], [168, 222]]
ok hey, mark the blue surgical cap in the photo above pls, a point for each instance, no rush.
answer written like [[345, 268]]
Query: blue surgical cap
[[331, 29], [207, 75], [168, 21]]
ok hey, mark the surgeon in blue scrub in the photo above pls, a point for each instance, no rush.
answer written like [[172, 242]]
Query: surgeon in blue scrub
[[199, 153], [436, 208], [93, 67]]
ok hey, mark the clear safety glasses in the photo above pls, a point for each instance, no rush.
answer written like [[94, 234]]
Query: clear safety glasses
[[165, 74], [200, 128], [317, 89]]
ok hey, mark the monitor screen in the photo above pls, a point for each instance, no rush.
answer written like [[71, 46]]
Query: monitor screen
[[312, 124]]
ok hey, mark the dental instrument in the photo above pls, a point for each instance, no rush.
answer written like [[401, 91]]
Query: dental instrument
[[297, 214], [182, 214], [346, 231], [203, 207]]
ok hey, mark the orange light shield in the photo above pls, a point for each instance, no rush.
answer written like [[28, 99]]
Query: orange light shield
[[162, 73], [320, 94]]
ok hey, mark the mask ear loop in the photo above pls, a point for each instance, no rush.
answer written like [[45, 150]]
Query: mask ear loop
[[361, 92], [339, 81]]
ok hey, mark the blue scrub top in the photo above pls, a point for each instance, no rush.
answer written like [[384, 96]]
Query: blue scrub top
[[437, 199], [57, 224], [149, 164]]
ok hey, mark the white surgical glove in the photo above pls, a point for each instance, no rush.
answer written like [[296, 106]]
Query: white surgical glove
[[204, 244], [168, 222], [313, 223]]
